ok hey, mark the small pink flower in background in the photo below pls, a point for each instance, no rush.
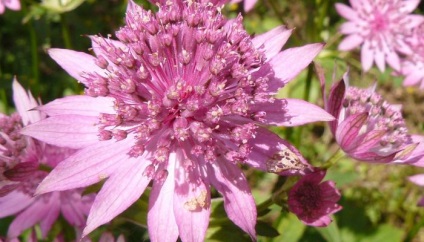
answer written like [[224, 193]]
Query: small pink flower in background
[[10, 4], [314, 201], [247, 4], [413, 64], [380, 26], [108, 237], [20, 160], [177, 101], [368, 128]]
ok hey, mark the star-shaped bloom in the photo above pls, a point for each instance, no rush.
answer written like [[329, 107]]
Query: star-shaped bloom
[[380, 27], [21, 165], [179, 100]]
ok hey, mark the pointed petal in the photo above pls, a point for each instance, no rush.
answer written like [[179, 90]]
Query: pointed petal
[[71, 131], [348, 130], [417, 179], [292, 112], [380, 60], [367, 56], [76, 63], [161, 218], [13, 4], [229, 180], [75, 212], [350, 42], [335, 101], [393, 60], [79, 105], [367, 142], [249, 4], [24, 103], [266, 146], [408, 6], [121, 190], [86, 166], [291, 62], [13, 203], [346, 12], [30, 216], [350, 28], [51, 213], [272, 40], [413, 78], [191, 203]]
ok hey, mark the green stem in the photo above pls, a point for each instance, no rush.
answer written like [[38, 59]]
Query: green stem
[[34, 48], [333, 159], [65, 32], [414, 231]]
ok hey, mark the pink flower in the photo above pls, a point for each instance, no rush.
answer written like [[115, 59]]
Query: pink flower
[[10, 4], [178, 100], [247, 4], [313, 201], [380, 26], [367, 127], [20, 159], [413, 64]]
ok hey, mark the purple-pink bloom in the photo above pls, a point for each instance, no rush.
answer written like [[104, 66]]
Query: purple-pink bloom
[[314, 201], [179, 100], [21, 165], [419, 180], [381, 27], [10, 4], [413, 64], [367, 127], [247, 4]]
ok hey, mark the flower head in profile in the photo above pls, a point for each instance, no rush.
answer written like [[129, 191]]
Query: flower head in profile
[[21, 159], [314, 201], [180, 99], [367, 127], [381, 27], [10, 4], [413, 64]]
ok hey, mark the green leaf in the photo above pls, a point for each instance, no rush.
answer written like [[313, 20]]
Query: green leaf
[[265, 229], [385, 233], [289, 227]]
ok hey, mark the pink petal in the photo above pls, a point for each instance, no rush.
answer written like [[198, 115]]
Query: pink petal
[[379, 60], [191, 203], [348, 130], [346, 12], [13, 203], [79, 105], [75, 212], [417, 179], [29, 217], [366, 142], [272, 40], [51, 214], [75, 63], [350, 28], [367, 56], [71, 131], [249, 4], [393, 60], [161, 218], [291, 62], [12, 4], [292, 112], [24, 103], [335, 101], [86, 166], [2, 8], [351, 42], [121, 190], [409, 6], [229, 180], [413, 78]]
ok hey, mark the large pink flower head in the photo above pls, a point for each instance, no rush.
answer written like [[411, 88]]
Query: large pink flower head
[[177, 100], [10, 4], [368, 128], [314, 201], [413, 64], [21, 159], [380, 26]]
